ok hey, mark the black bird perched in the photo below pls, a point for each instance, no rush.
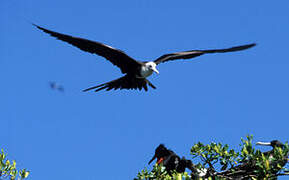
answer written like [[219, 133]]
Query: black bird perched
[[170, 160], [135, 71], [161, 153]]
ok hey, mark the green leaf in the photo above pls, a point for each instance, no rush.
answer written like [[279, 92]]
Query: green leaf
[[7, 163], [26, 174]]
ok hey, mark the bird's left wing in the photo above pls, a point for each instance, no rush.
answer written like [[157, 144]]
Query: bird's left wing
[[115, 56], [195, 53]]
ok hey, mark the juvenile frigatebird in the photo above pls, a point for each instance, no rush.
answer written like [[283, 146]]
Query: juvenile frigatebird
[[274, 144], [273, 162], [249, 167], [135, 71]]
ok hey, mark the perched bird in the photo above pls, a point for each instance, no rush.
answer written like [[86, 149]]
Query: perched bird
[[273, 162], [170, 160], [161, 153], [171, 163], [274, 144], [136, 72], [250, 168]]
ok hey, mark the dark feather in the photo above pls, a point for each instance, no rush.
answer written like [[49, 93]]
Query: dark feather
[[125, 82], [115, 56], [195, 53]]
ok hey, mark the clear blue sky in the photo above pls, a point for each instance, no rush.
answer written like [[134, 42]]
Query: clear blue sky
[[112, 135]]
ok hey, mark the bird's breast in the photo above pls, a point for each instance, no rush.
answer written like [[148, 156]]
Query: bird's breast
[[145, 72]]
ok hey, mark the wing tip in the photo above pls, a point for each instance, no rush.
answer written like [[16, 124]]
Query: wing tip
[[33, 24], [251, 45], [243, 47]]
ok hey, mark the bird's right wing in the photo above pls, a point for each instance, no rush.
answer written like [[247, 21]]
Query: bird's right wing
[[115, 56], [125, 82], [195, 53]]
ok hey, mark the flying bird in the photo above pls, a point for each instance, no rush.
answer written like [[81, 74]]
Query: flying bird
[[55, 86], [136, 72]]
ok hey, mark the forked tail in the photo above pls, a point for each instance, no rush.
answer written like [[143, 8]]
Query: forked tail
[[125, 82]]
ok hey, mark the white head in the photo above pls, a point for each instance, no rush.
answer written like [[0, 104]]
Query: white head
[[152, 66]]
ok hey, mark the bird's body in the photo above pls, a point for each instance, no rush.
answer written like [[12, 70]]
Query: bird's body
[[161, 153], [136, 72], [146, 70], [171, 161], [272, 160]]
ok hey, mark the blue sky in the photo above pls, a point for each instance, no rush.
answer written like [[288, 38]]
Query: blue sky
[[112, 135]]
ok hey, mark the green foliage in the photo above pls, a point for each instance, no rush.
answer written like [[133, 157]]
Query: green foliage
[[159, 173], [264, 165], [224, 163], [8, 169], [214, 153]]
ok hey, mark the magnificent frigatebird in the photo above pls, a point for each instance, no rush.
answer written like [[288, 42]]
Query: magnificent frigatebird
[[135, 71], [161, 153], [170, 160]]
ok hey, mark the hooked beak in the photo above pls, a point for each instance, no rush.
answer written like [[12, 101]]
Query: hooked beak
[[155, 70], [152, 159], [263, 143]]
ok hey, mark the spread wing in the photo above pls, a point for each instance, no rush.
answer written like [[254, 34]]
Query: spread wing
[[115, 56], [125, 82], [195, 53]]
